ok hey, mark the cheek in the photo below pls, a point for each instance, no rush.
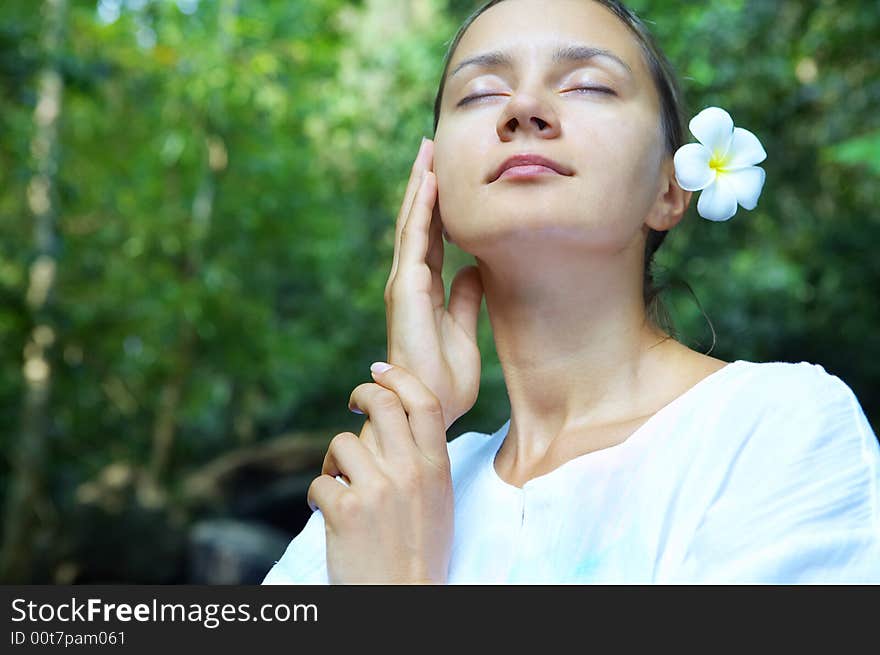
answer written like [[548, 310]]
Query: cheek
[[451, 152], [625, 158], [440, 168], [458, 164], [443, 171], [441, 165]]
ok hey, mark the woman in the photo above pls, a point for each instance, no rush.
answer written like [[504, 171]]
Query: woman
[[628, 457]]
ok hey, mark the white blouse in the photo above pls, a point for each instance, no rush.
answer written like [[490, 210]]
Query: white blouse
[[760, 473]]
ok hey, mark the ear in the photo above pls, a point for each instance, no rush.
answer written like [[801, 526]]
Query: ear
[[672, 201]]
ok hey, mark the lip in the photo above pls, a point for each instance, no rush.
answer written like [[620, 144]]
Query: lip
[[530, 163]]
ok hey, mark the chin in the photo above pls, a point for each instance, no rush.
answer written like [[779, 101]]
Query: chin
[[485, 233]]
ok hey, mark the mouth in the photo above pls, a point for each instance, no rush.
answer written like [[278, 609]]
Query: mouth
[[528, 166]]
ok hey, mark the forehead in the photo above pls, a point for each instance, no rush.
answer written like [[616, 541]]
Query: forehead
[[531, 29]]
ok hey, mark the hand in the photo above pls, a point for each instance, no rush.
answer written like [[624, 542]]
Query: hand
[[435, 343], [393, 523]]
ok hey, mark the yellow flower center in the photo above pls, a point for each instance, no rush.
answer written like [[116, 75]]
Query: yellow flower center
[[717, 162]]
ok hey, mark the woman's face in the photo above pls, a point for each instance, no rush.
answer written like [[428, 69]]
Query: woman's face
[[612, 143]]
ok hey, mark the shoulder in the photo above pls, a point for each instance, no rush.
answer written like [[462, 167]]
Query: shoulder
[[794, 493], [467, 444], [801, 404], [470, 451], [791, 381], [775, 415], [790, 399]]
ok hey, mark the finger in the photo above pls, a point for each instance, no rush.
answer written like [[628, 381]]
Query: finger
[[423, 409], [324, 493], [465, 298], [388, 420], [414, 238], [424, 161], [347, 456]]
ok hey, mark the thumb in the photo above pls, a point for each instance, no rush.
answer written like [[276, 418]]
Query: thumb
[[465, 296]]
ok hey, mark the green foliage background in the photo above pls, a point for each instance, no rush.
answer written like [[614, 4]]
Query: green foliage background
[[229, 174]]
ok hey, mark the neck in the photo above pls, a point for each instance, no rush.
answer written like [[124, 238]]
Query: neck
[[572, 337]]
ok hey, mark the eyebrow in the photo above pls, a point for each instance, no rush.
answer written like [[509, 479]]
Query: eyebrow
[[565, 53]]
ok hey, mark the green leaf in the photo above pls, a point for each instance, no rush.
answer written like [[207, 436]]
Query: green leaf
[[859, 150]]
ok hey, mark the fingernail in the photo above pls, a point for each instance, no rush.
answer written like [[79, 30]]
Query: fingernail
[[355, 410], [379, 367]]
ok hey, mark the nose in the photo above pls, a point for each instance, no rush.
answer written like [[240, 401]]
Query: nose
[[530, 113]]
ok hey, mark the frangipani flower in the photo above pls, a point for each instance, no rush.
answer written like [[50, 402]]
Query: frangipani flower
[[721, 165]]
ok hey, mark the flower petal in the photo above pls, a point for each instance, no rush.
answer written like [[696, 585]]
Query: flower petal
[[746, 184], [692, 170], [713, 127], [717, 201], [745, 150]]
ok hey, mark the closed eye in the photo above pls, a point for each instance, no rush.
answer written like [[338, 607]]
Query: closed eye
[[597, 89], [600, 89], [470, 99]]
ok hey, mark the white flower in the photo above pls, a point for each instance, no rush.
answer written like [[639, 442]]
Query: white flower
[[722, 165]]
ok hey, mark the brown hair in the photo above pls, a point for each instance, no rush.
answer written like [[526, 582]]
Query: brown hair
[[672, 119]]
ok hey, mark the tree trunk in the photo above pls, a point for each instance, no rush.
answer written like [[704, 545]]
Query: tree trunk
[[27, 499], [165, 425]]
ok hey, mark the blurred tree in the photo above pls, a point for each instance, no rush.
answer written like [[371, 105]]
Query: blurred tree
[[27, 496]]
